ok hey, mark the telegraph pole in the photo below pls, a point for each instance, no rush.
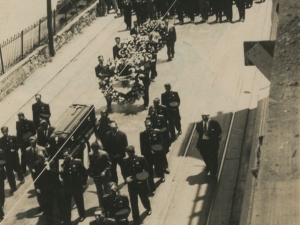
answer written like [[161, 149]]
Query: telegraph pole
[[49, 25]]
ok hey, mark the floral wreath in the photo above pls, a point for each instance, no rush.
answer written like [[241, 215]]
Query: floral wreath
[[136, 55]]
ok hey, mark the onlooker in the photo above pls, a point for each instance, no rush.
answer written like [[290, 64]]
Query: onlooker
[[40, 111]]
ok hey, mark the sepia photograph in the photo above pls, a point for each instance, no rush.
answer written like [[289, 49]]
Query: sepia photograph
[[149, 112]]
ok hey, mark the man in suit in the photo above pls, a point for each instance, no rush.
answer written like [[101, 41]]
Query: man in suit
[[131, 166], [171, 100], [35, 153], [208, 142], [171, 41], [25, 129], [117, 48], [115, 145], [40, 110], [99, 170], [43, 133], [114, 202], [9, 147], [74, 176]]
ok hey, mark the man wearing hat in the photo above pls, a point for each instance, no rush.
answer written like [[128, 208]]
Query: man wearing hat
[[116, 205], [149, 139], [99, 169], [40, 110], [9, 148], [100, 218], [74, 176], [35, 153], [43, 133], [171, 100], [208, 142], [115, 145], [102, 126], [159, 109], [132, 167]]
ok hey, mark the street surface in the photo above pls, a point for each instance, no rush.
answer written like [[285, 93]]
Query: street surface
[[208, 72]]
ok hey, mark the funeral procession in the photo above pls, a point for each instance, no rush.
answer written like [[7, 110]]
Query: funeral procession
[[149, 112]]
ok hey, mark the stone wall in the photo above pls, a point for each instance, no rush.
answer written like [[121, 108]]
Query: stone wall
[[18, 74]]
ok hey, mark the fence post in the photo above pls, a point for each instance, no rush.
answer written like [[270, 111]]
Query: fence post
[[54, 20], [22, 44], [2, 66], [40, 21]]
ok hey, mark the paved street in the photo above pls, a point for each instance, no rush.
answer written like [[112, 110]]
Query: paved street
[[208, 72]]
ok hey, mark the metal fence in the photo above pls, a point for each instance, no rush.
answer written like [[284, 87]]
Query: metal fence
[[14, 49]]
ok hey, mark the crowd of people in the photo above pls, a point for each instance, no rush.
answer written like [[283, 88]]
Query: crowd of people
[[156, 9]]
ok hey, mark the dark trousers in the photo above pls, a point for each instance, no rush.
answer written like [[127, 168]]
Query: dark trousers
[[127, 15], [170, 49], [23, 156], [146, 95], [209, 153], [12, 166], [113, 170], [241, 8], [179, 11], [77, 194], [136, 190], [120, 6], [190, 12], [108, 102], [204, 9], [102, 188], [174, 122], [228, 10], [153, 67], [39, 196], [50, 198], [2, 194]]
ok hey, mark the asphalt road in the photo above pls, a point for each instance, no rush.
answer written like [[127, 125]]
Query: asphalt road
[[208, 72]]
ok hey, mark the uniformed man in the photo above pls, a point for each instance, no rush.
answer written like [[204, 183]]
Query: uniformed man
[[100, 218], [116, 205], [43, 133], [159, 109], [50, 189], [204, 9], [40, 111], [74, 176], [115, 146], [155, 157], [34, 153], [99, 170], [171, 100], [25, 129], [208, 142], [131, 167], [9, 147]]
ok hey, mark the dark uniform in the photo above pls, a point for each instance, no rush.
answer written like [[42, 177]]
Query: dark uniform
[[240, 4], [146, 82], [208, 143], [40, 111], [114, 204], [115, 147], [171, 42], [127, 13], [51, 190], [74, 176], [9, 145], [100, 163], [228, 9], [166, 99], [2, 179], [25, 129], [154, 158], [151, 7], [130, 168], [179, 10], [189, 6], [204, 9], [160, 110], [102, 128], [141, 11]]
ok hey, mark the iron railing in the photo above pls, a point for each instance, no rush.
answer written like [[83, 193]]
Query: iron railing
[[16, 48]]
